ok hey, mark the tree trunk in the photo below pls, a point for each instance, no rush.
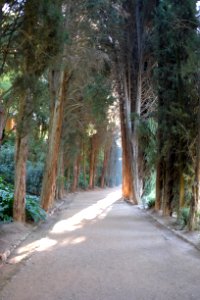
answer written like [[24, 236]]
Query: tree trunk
[[159, 185], [3, 118], [49, 180], [84, 166], [195, 201], [91, 178], [68, 178], [105, 166], [159, 173], [137, 90], [92, 162], [128, 189], [21, 159], [76, 173], [168, 185], [181, 191], [132, 86], [95, 167], [60, 176], [20, 179]]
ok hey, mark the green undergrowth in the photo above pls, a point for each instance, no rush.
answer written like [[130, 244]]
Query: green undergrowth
[[148, 197], [34, 212], [34, 170], [183, 218]]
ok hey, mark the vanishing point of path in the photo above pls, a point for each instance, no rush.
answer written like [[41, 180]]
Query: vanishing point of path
[[102, 249]]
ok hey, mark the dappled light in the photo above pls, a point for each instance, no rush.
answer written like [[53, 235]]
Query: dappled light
[[38, 246], [99, 133], [97, 210], [44, 244], [78, 240], [115, 246], [73, 241]]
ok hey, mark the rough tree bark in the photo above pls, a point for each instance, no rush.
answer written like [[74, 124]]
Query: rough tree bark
[[84, 164], [122, 87], [93, 161], [168, 184], [49, 180], [21, 159], [181, 191], [159, 185], [3, 118], [60, 175], [134, 47], [76, 172], [137, 88], [128, 188], [195, 201], [105, 165], [159, 168]]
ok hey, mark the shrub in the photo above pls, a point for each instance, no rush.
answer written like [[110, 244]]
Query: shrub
[[34, 170], [7, 162], [151, 203], [148, 197], [33, 210], [183, 217], [6, 201], [34, 177], [83, 182]]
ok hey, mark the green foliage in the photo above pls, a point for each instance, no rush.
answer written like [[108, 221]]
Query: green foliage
[[149, 188], [177, 53], [183, 216], [6, 202], [109, 21], [147, 130], [5, 84], [34, 168], [83, 182], [34, 177], [7, 152], [148, 197], [34, 212], [40, 37], [97, 95], [35, 163], [151, 203]]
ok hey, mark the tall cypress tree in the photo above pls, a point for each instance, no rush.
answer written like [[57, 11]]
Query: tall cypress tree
[[38, 42], [176, 44]]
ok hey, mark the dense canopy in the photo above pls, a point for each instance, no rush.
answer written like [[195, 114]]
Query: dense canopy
[[84, 83]]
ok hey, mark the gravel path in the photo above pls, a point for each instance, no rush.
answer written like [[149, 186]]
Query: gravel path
[[102, 249]]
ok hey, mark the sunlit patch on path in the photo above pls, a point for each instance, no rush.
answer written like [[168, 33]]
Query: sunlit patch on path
[[100, 248], [98, 210]]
